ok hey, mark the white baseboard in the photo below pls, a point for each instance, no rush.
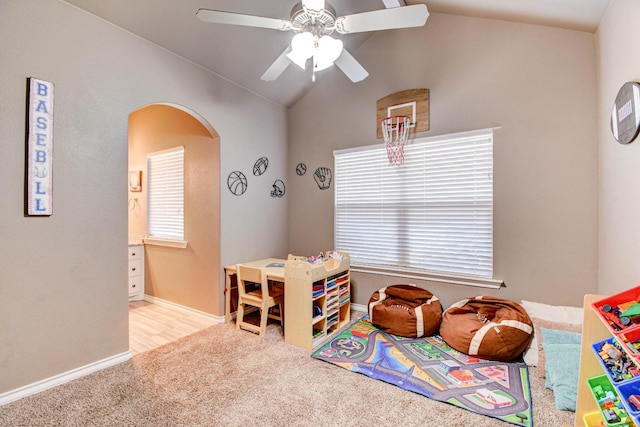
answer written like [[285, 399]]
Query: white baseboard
[[65, 377], [359, 307], [188, 310]]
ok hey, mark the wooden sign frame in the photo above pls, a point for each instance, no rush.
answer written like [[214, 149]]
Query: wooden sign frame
[[39, 148], [411, 102]]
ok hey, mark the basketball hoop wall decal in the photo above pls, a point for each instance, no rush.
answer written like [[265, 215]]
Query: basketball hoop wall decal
[[413, 103], [395, 131], [397, 116]]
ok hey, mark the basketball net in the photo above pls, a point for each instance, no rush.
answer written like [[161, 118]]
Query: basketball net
[[395, 130]]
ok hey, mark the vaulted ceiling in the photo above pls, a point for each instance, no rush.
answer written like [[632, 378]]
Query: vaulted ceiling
[[243, 54]]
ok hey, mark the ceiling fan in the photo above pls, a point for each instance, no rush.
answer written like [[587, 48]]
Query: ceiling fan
[[314, 21]]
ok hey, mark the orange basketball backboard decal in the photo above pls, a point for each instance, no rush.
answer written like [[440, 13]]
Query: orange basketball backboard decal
[[413, 103]]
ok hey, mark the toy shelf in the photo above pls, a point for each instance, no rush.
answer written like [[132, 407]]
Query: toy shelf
[[317, 300], [603, 337]]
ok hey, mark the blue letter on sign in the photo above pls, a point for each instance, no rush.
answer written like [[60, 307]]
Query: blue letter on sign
[[42, 89]]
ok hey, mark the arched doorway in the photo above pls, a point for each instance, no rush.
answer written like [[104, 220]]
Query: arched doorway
[[188, 277]]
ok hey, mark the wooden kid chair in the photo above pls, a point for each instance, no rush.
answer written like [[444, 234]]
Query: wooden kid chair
[[262, 298]]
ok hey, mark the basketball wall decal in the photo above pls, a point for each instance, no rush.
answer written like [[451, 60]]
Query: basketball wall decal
[[237, 183], [260, 166], [301, 169]]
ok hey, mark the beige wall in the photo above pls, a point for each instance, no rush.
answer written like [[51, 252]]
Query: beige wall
[[189, 276], [618, 39], [536, 83], [63, 279]]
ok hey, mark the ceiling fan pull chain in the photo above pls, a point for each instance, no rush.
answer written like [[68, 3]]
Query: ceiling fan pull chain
[[313, 70]]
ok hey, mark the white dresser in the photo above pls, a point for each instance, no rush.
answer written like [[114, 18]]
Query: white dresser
[[136, 272]]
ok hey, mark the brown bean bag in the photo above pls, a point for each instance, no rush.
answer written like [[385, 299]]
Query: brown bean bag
[[487, 327], [405, 310]]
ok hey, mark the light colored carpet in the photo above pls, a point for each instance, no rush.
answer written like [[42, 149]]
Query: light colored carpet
[[223, 377]]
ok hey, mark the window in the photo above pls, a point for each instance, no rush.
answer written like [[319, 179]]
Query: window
[[430, 218], [165, 196]]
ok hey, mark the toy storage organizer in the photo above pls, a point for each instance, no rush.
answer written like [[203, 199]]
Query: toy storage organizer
[[609, 381], [317, 300]]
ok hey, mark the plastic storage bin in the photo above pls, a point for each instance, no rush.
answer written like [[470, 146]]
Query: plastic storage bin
[[611, 408], [593, 419], [610, 308], [628, 338], [615, 362], [629, 392]]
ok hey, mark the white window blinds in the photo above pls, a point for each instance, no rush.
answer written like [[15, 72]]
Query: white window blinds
[[165, 194], [434, 213]]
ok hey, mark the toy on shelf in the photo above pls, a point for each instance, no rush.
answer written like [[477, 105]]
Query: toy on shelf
[[634, 399], [629, 314], [616, 362], [317, 296], [631, 340], [620, 312], [618, 317], [612, 314], [321, 257], [609, 351], [609, 403], [629, 393]]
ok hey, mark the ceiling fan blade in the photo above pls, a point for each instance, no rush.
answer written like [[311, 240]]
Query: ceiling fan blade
[[352, 68], [385, 19], [219, 17], [313, 5], [393, 3], [278, 66]]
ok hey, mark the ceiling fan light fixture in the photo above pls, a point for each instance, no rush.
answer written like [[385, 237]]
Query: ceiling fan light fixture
[[303, 43], [298, 59], [302, 48], [314, 21], [328, 50]]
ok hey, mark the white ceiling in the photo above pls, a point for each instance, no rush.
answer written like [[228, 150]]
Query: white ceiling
[[243, 54]]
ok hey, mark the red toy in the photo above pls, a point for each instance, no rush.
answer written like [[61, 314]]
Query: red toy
[[634, 399]]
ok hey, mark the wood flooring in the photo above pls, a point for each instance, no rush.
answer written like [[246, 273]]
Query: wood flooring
[[152, 325]]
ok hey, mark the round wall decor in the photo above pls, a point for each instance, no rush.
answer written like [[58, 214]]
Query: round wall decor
[[625, 114]]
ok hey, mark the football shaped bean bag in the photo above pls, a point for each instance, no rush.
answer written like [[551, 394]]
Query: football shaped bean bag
[[487, 327], [405, 310]]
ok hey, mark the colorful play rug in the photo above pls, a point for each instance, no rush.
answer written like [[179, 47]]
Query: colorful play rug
[[430, 367]]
